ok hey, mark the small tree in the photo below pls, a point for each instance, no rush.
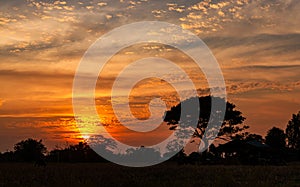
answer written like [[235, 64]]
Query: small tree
[[276, 138], [293, 132], [30, 150]]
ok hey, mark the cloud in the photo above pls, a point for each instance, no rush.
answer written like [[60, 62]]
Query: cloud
[[242, 17], [228, 18], [252, 87], [5, 20], [255, 67], [262, 49], [42, 28]]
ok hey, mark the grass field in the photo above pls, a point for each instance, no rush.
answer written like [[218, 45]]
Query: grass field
[[106, 174]]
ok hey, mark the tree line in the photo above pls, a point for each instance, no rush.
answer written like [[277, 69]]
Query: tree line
[[241, 147], [32, 150]]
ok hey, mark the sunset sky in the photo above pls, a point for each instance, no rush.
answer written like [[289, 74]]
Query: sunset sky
[[256, 42]]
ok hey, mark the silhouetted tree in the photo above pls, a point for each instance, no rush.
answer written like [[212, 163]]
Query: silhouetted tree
[[30, 150], [231, 126], [276, 138], [249, 137], [80, 152], [254, 137], [7, 156], [293, 132]]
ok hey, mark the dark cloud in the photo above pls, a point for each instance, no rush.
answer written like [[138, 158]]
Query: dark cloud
[[264, 67]]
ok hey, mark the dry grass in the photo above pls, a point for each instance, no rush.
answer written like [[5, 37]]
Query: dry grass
[[101, 174]]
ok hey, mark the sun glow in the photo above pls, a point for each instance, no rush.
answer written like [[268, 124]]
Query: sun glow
[[85, 136]]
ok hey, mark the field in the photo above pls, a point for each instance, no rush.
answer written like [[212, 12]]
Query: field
[[106, 174]]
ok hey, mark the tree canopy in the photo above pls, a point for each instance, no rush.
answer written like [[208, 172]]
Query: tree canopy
[[276, 138], [30, 150], [231, 125]]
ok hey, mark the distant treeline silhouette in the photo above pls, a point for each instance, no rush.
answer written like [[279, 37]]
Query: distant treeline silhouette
[[277, 147], [35, 151]]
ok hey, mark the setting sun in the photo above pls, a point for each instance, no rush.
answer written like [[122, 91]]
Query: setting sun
[[85, 137]]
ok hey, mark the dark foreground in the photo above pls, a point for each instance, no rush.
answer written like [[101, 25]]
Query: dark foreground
[[105, 174]]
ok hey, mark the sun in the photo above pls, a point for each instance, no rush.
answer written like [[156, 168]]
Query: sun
[[85, 136]]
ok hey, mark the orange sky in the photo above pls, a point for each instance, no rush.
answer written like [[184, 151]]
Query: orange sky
[[257, 44]]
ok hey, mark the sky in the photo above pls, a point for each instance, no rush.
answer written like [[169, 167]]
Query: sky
[[256, 43]]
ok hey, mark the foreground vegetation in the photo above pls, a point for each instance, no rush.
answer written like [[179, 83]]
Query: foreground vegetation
[[167, 174]]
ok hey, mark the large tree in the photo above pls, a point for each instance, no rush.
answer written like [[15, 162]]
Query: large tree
[[30, 150], [276, 138], [231, 125], [293, 132]]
